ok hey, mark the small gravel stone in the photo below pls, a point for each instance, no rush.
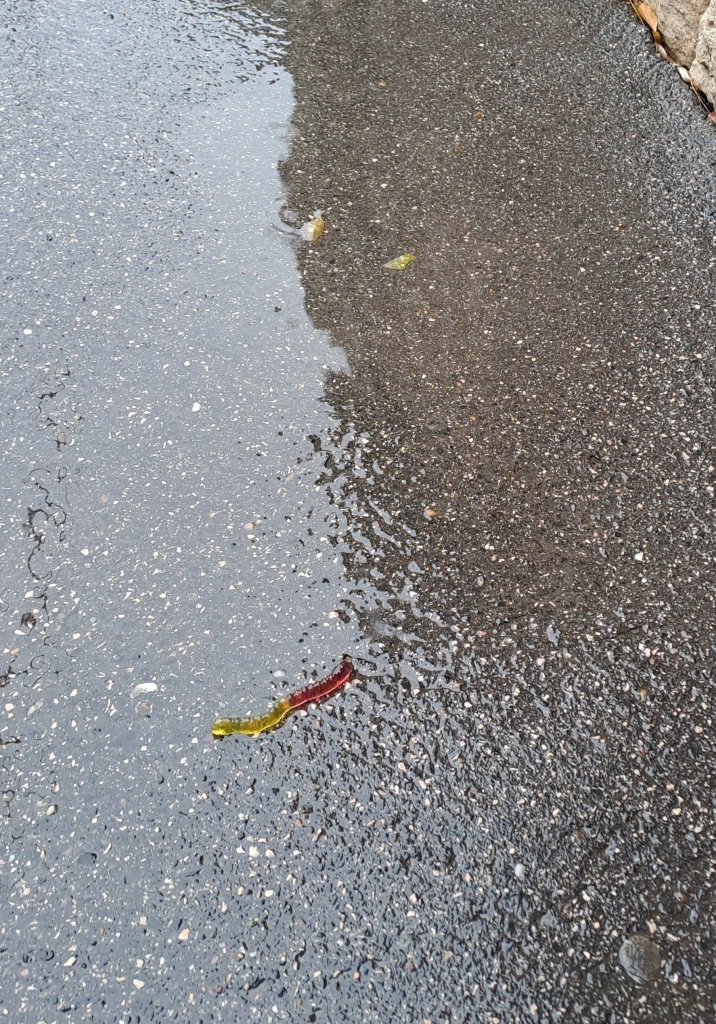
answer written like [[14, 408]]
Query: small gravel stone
[[143, 688], [640, 958], [553, 635]]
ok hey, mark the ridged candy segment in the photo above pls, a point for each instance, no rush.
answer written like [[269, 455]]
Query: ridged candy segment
[[253, 726], [327, 686]]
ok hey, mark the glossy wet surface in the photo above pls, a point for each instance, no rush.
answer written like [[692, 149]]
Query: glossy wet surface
[[231, 458]]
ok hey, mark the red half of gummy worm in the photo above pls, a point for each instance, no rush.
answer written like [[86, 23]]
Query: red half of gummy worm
[[319, 691]]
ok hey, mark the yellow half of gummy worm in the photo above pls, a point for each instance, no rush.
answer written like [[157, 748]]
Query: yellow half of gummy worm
[[252, 726]]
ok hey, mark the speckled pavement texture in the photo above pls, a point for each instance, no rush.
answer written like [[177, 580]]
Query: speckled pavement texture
[[230, 458]]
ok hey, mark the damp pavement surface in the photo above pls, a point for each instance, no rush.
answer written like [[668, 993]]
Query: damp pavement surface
[[230, 458]]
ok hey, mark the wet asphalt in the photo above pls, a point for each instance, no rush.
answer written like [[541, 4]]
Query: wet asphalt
[[231, 458]]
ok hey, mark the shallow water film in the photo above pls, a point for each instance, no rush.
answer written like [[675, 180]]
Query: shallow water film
[[236, 454]]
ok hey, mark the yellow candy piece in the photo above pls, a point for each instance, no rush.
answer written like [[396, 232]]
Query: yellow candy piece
[[400, 263], [313, 229], [252, 726]]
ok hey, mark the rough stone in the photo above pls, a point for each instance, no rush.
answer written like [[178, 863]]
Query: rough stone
[[703, 69], [679, 26], [640, 958]]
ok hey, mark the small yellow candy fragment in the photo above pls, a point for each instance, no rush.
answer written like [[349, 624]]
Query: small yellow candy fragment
[[313, 229], [400, 263]]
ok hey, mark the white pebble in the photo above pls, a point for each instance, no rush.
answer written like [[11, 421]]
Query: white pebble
[[196, 407], [520, 870], [143, 688]]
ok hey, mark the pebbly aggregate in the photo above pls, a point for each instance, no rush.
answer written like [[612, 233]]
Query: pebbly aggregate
[[231, 457]]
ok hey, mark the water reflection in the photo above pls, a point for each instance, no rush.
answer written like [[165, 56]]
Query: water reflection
[[198, 548], [196, 543]]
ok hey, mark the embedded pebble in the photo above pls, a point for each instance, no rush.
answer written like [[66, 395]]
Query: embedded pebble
[[143, 688], [640, 958]]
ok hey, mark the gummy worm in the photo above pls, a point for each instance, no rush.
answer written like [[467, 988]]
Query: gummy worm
[[283, 707]]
